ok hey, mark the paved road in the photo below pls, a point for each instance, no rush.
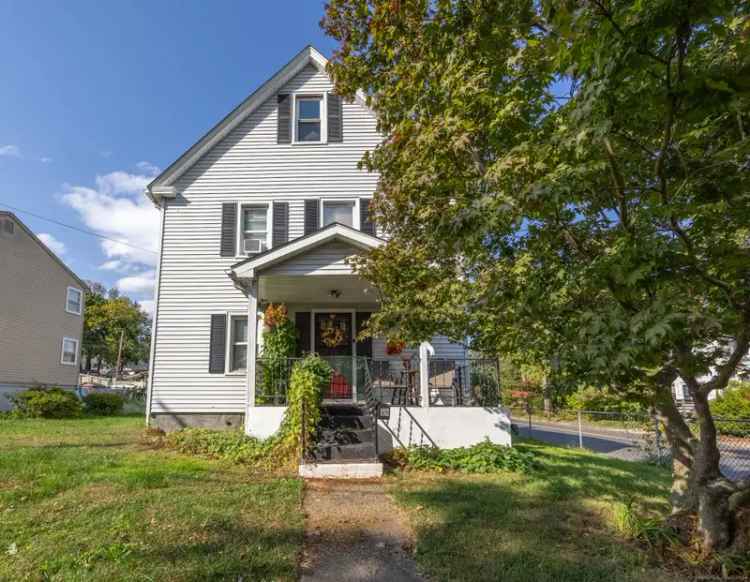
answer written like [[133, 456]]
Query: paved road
[[627, 445]]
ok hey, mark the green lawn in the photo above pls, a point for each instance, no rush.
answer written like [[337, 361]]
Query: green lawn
[[84, 500], [555, 524]]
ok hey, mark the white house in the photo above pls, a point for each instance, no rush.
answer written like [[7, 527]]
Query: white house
[[266, 208]]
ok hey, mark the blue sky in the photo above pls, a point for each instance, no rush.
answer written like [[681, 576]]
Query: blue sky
[[96, 96]]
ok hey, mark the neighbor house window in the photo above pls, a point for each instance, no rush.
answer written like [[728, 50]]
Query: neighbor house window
[[69, 355], [73, 301], [238, 343], [341, 212], [254, 229], [308, 119]]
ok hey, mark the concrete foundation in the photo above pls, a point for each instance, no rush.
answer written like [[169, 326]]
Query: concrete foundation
[[172, 422]]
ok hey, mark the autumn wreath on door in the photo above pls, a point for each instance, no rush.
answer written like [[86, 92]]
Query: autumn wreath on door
[[333, 332]]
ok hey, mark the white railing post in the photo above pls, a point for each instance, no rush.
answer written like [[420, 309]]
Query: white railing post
[[252, 340], [425, 351]]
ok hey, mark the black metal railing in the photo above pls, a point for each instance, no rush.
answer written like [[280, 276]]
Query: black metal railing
[[464, 382], [394, 382]]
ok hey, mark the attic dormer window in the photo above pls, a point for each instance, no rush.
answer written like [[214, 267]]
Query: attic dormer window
[[308, 119]]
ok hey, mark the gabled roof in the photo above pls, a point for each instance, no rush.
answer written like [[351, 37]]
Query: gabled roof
[[248, 268], [35, 238], [163, 185]]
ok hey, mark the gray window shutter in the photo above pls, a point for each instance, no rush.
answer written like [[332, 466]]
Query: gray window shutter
[[312, 216], [218, 346], [302, 322], [280, 233], [335, 119], [284, 128], [228, 229], [365, 221]]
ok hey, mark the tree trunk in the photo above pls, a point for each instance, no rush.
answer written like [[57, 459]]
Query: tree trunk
[[547, 396], [682, 447]]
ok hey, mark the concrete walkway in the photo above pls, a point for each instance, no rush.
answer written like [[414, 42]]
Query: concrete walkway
[[354, 532]]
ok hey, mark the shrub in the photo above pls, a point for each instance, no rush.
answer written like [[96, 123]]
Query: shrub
[[733, 404], [231, 445], [47, 403], [308, 378], [604, 400], [484, 457], [104, 403]]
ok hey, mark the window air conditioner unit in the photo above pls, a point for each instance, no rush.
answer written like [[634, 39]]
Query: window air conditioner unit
[[253, 245]]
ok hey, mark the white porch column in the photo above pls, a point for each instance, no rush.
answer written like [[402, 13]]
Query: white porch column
[[252, 339], [425, 351]]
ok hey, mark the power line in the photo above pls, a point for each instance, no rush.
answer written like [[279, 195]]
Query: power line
[[71, 227]]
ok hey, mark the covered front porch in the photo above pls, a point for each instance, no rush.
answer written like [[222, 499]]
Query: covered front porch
[[435, 393]]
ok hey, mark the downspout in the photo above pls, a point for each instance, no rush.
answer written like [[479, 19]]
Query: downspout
[[154, 327]]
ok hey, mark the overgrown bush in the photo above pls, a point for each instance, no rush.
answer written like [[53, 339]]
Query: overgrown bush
[[46, 403], [733, 404], [309, 376], [279, 342], [104, 403], [484, 457], [602, 399], [231, 445]]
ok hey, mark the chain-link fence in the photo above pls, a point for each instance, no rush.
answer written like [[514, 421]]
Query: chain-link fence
[[631, 436]]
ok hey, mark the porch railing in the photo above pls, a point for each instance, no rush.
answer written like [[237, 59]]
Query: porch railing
[[394, 382]]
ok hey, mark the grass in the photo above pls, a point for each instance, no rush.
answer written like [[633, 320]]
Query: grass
[[558, 523], [84, 500]]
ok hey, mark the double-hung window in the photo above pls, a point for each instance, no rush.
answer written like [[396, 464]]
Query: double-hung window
[[254, 229], [338, 211], [308, 122], [238, 343], [69, 355], [73, 301]]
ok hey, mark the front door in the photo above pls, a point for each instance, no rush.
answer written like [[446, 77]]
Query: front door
[[333, 342]]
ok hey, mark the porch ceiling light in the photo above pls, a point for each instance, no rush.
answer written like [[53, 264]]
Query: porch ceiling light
[[335, 293]]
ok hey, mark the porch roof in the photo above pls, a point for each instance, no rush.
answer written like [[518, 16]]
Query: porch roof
[[252, 266]]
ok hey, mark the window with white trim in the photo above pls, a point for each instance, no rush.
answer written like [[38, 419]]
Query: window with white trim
[[74, 301], [309, 126], [69, 352], [340, 211], [254, 222], [237, 343]]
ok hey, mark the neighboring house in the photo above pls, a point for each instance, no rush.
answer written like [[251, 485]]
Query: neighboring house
[[266, 208], [41, 313]]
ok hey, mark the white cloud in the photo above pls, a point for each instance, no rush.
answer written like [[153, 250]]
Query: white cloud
[[117, 208], [148, 167], [56, 246], [140, 283], [10, 151], [148, 306], [45, 159]]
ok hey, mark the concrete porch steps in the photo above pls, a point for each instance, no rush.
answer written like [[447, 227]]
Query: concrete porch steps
[[346, 445]]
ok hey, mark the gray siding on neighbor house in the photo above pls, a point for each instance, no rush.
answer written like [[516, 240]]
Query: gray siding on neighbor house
[[246, 166], [33, 319]]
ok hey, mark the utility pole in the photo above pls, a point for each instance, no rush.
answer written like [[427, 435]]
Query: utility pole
[[119, 355]]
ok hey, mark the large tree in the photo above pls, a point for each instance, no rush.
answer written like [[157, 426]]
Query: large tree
[[569, 180]]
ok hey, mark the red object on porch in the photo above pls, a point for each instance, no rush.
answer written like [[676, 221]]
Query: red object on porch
[[340, 387]]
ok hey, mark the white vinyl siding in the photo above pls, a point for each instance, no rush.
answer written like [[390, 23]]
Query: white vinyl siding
[[247, 166], [327, 259]]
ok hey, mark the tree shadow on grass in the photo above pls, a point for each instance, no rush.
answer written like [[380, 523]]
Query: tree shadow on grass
[[549, 525]]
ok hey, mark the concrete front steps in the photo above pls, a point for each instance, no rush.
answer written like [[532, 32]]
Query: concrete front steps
[[346, 447]]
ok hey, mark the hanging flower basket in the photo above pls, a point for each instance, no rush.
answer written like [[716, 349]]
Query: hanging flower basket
[[394, 346], [275, 314]]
